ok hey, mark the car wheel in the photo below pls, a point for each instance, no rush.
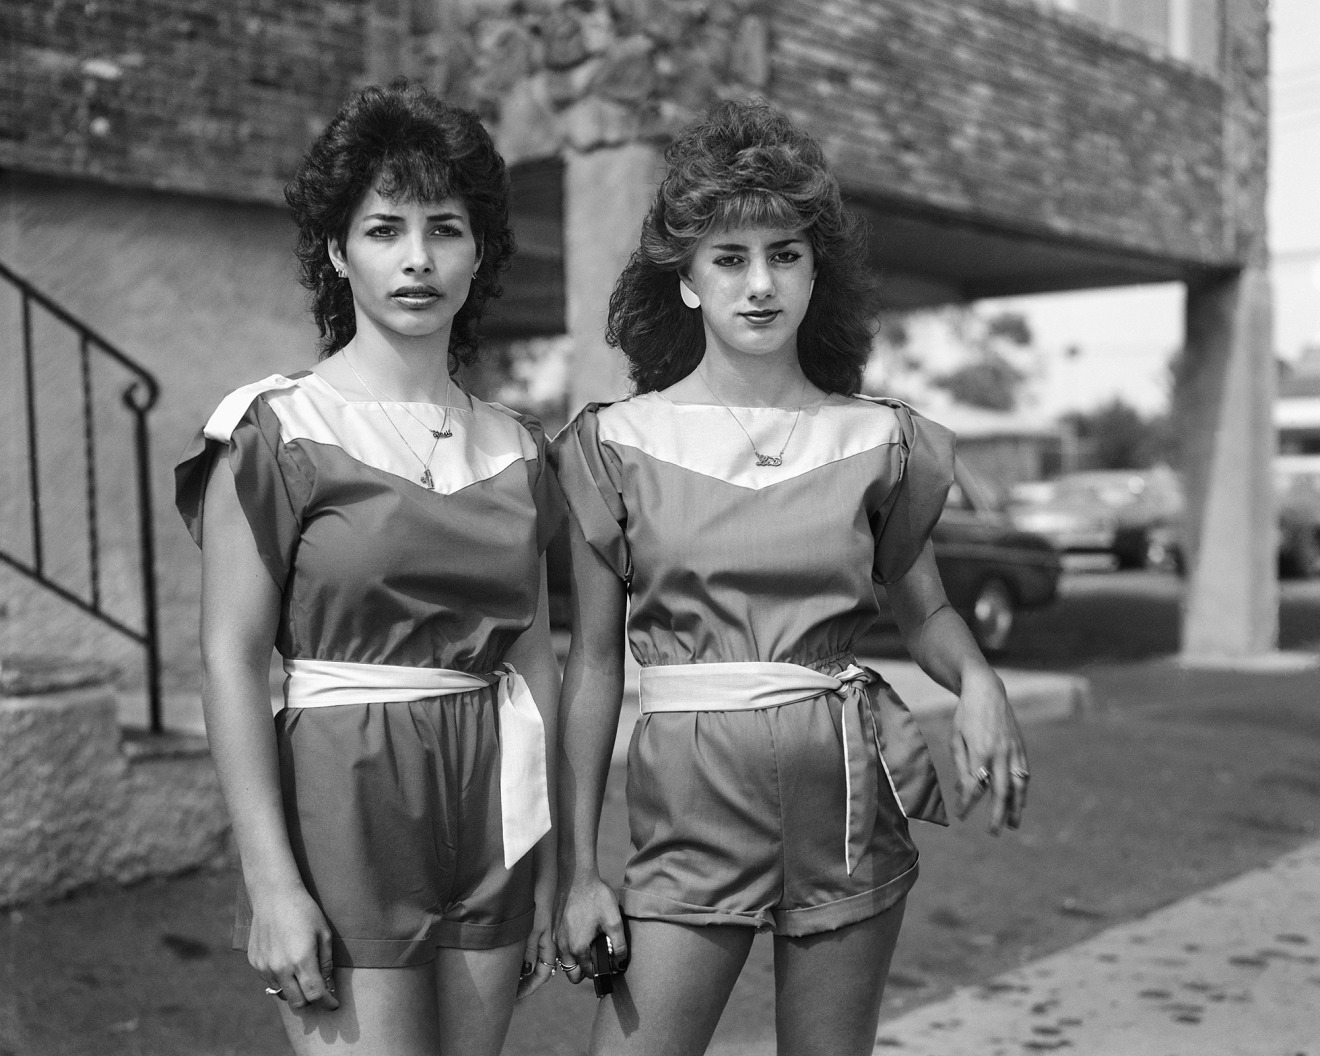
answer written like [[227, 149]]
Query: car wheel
[[992, 615]]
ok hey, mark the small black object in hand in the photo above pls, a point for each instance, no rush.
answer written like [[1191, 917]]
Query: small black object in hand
[[604, 964]]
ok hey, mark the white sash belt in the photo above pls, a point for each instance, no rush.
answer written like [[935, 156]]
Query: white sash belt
[[524, 789], [745, 686]]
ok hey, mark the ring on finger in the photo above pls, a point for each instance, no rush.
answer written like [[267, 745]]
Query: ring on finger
[[554, 967], [982, 776], [1020, 774], [275, 992], [564, 967]]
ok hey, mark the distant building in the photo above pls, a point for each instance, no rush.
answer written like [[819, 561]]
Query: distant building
[[997, 146]]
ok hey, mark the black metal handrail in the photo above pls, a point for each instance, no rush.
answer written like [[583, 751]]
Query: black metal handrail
[[139, 397]]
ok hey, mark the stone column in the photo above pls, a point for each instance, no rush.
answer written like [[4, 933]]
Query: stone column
[[1222, 412], [606, 195]]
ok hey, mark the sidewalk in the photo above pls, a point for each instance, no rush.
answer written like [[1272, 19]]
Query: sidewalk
[[1233, 971]]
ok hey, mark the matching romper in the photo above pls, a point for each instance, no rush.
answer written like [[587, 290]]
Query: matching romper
[[770, 776], [409, 762]]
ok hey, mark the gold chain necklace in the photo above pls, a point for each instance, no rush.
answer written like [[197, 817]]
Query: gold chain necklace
[[761, 459], [444, 431]]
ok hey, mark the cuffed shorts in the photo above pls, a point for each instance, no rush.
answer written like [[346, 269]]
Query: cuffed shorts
[[738, 817], [393, 812]]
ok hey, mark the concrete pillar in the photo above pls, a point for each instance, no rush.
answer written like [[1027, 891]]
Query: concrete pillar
[[1222, 412], [606, 195]]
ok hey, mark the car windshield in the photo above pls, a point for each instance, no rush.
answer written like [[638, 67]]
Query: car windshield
[[971, 491]]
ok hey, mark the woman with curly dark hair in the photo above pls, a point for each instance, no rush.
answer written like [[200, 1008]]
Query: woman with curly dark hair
[[384, 530], [736, 518]]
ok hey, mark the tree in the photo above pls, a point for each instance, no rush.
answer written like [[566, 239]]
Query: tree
[[1116, 436], [991, 382], [990, 379]]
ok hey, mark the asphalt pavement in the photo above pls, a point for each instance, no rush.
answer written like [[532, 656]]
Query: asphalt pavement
[[1161, 897]]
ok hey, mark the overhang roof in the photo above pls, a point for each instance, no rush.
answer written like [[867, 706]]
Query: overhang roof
[[927, 258]]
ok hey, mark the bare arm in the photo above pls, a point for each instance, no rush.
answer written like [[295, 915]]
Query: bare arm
[[290, 941], [588, 721], [986, 733], [532, 655]]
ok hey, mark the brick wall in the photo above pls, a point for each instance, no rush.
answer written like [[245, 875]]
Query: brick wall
[[1008, 112], [1005, 111], [216, 98]]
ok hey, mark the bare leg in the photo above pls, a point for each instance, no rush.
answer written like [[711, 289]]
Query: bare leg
[[459, 1005], [828, 987], [380, 1010], [677, 984], [475, 993]]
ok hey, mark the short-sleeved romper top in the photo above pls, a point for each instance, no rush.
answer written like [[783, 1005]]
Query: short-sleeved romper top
[[393, 807], [738, 816]]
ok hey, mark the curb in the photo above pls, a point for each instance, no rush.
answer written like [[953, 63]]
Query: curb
[[1036, 696]]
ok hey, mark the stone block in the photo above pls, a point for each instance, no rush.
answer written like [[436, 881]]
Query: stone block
[[62, 785], [626, 74], [565, 40], [750, 59], [568, 86], [77, 809], [505, 55], [175, 818], [528, 126], [594, 122]]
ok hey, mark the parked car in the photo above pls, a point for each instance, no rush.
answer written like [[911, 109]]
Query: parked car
[[1126, 513], [1137, 515], [991, 569]]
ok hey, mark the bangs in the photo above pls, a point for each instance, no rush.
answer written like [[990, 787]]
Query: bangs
[[414, 175], [756, 208]]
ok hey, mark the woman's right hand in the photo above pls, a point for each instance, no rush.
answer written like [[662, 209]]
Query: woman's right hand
[[586, 908], [289, 946]]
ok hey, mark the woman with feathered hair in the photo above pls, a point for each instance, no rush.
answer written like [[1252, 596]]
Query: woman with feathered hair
[[735, 519]]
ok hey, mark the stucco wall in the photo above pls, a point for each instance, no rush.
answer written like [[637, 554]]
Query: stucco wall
[[204, 295]]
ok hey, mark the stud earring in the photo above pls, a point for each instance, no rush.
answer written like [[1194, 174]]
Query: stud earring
[[689, 295]]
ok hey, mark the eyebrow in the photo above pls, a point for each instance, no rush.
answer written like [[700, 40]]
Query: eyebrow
[[732, 246], [431, 218]]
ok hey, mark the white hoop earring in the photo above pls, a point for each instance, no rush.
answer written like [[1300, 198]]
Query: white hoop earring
[[688, 294]]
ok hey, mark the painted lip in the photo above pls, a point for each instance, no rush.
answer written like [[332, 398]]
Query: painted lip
[[762, 317], [415, 296]]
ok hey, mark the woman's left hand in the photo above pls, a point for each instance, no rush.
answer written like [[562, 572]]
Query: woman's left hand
[[540, 958], [988, 751]]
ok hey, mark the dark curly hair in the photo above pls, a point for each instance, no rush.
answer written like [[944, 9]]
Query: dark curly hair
[[744, 164], [408, 145]]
